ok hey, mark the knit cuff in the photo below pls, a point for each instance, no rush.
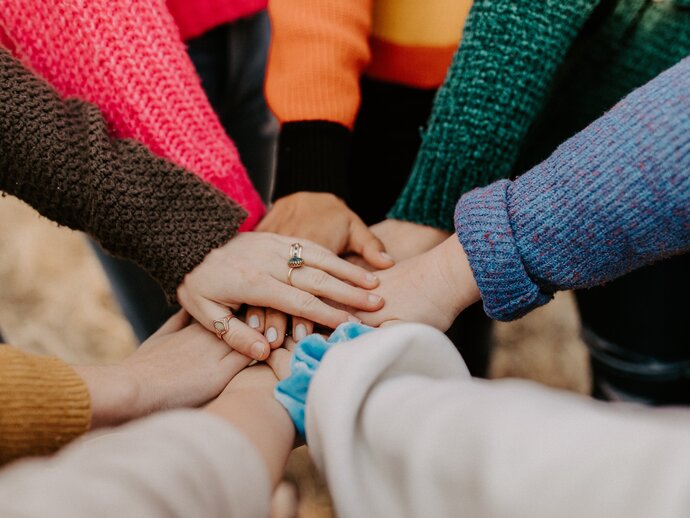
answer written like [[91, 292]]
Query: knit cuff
[[292, 391], [430, 195], [313, 156], [44, 404], [483, 226]]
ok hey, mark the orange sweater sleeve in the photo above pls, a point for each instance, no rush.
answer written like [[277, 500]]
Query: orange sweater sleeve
[[44, 404], [318, 52]]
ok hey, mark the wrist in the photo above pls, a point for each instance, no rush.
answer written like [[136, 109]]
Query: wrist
[[114, 394], [463, 289], [249, 406]]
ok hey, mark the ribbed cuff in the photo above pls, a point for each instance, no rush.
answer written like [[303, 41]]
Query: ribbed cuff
[[45, 404], [313, 156], [430, 195], [483, 227]]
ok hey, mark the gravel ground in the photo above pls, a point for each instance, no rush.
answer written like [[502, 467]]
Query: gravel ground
[[54, 299]]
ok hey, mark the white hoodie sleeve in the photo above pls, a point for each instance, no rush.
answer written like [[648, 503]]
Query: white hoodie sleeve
[[399, 428], [183, 463]]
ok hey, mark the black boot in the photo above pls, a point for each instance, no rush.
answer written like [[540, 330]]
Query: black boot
[[622, 375]]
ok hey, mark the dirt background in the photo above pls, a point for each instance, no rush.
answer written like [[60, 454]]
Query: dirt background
[[55, 299]]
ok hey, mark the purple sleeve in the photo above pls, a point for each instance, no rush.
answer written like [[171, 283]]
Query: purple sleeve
[[611, 199]]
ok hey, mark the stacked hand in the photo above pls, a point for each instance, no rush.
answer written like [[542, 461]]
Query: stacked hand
[[431, 288], [181, 365], [252, 269], [327, 221]]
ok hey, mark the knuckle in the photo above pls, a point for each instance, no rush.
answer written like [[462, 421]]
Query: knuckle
[[252, 276], [318, 253], [234, 337], [320, 279], [307, 303]]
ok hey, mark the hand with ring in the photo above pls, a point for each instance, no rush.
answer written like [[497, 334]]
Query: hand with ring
[[253, 269], [274, 323]]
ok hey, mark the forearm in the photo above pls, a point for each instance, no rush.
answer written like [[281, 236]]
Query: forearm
[[496, 84], [415, 435], [514, 448], [128, 59], [611, 199], [57, 156], [254, 412], [175, 464]]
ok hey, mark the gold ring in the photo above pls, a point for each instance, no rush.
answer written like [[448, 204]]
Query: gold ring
[[290, 276], [222, 326]]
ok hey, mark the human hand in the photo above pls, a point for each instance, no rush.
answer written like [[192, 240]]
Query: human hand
[[326, 220], [252, 269], [404, 240], [279, 360], [432, 288], [179, 366]]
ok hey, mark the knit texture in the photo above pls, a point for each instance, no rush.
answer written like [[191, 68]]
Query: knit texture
[[57, 156], [611, 199], [319, 49], [313, 156], [127, 58], [194, 17], [497, 82], [44, 404], [624, 45], [320, 52], [513, 93]]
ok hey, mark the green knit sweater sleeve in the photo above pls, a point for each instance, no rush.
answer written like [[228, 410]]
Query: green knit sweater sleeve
[[495, 86]]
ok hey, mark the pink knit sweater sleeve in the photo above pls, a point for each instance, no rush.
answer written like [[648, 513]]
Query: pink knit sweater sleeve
[[127, 57]]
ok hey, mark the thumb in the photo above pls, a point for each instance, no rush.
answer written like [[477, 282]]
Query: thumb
[[363, 242]]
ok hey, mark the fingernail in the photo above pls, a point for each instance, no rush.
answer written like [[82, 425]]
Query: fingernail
[[374, 299], [254, 322], [387, 257], [259, 350], [371, 277], [300, 332], [354, 319], [271, 334]]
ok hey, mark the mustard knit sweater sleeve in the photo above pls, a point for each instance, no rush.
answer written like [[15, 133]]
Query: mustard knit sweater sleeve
[[44, 404]]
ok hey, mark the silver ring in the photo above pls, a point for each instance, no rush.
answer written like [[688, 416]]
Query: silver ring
[[295, 260]]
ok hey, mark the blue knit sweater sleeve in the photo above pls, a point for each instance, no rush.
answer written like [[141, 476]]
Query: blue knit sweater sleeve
[[611, 199]]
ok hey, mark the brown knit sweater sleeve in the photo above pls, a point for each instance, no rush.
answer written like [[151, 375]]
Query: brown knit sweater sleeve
[[57, 156], [44, 404]]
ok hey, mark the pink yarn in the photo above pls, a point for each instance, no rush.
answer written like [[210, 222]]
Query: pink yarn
[[194, 17], [127, 57]]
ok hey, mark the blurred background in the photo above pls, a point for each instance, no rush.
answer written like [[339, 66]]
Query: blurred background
[[55, 299]]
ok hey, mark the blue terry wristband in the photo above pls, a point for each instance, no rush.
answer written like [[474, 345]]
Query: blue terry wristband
[[292, 391]]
